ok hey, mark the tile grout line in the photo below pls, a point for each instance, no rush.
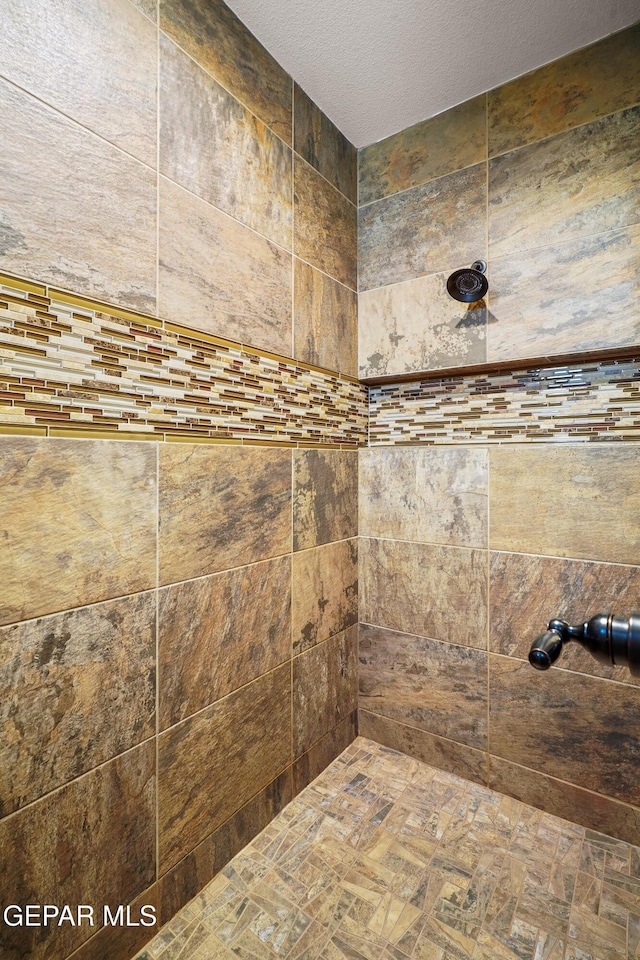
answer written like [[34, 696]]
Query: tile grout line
[[497, 156]]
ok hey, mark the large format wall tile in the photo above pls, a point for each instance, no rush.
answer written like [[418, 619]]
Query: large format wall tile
[[567, 725], [438, 687], [311, 764], [221, 507], [148, 7], [79, 523], [565, 800], [184, 881], [577, 296], [437, 226], [432, 148], [96, 63], [212, 34], [93, 231], [122, 942], [418, 493], [325, 324], [325, 496], [429, 591], [526, 592], [573, 185], [590, 83], [325, 688], [578, 500], [325, 592], [75, 690], [219, 276], [211, 764], [92, 843], [325, 227], [318, 141], [416, 325], [218, 633], [457, 758], [211, 144]]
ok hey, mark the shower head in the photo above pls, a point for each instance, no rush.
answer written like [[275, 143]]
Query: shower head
[[610, 639], [470, 284], [545, 650]]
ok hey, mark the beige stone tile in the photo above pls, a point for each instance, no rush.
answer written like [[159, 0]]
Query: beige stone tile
[[325, 496], [318, 141], [94, 232], [589, 83], [97, 65], [221, 507], [213, 35], [148, 7], [325, 226], [325, 592], [75, 690], [425, 494], [325, 320], [438, 226], [594, 933], [574, 500], [527, 591], [571, 186], [396, 334], [211, 144], [247, 297], [415, 681], [79, 522], [432, 148], [538, 303], [307, 767], [220, 632], [213, 763], [184, 881], [426, 590], [456, 758], [92, 842], [567, 725], [325, 688]]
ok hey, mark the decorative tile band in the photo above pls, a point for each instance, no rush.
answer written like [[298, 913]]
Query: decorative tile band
[[595, 401], [69, 365]]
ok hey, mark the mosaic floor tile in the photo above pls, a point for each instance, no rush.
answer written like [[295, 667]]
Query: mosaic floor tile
[[385, 858]]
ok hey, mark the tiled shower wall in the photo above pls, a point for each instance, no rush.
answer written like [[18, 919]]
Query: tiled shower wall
[[178, 619], [540, 178], [488, 504], [178, 659]]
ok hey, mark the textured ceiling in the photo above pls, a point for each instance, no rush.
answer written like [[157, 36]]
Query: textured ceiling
[[377, 66]]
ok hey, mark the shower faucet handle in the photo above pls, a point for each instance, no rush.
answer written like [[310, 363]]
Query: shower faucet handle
[[610, 639]]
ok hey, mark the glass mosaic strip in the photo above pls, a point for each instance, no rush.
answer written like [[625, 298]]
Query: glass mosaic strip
[[65, 362], [591, 401]]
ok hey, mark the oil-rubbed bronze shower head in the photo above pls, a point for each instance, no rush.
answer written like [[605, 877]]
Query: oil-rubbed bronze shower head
[[470, 284], [610, 639]]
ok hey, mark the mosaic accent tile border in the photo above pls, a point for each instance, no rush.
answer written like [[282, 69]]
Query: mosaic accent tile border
[[591, 401], [74, 367]]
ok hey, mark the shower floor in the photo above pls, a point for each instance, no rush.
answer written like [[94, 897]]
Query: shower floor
[[385, 858]]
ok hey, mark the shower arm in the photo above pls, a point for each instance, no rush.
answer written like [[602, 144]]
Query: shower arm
[[610, 639]]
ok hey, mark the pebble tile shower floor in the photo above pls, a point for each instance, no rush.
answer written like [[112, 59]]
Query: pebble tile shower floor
[[385, 858]]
